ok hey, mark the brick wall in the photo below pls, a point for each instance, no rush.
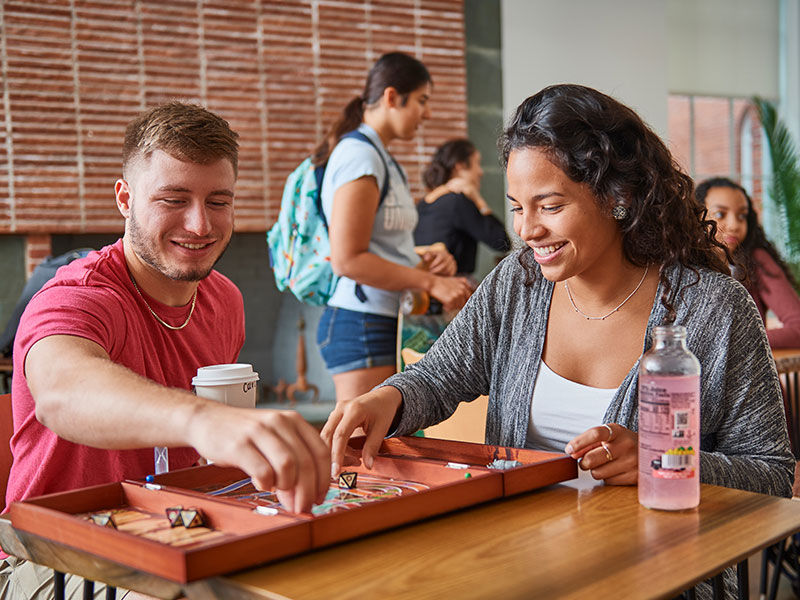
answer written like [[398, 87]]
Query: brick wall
[[74, 72], [717, 149]]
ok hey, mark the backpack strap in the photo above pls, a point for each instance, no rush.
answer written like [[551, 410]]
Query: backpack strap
[[358, 135], [319, 175]]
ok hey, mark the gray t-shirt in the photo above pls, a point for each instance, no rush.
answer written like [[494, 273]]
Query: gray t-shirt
[[393, 229]]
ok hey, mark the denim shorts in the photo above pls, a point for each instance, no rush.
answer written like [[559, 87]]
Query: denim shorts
[[350, 340]]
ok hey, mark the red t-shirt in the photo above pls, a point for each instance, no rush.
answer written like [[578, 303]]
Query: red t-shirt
[[94, 298]]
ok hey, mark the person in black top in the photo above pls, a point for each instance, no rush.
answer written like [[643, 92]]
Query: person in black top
[[453, 211]]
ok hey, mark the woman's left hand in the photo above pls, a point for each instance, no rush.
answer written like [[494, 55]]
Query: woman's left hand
[[610, 452]]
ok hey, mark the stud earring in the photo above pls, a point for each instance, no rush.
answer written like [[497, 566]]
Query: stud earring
[[619, 212]]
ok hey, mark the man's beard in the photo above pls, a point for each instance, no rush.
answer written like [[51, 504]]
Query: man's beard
[[148, 254]]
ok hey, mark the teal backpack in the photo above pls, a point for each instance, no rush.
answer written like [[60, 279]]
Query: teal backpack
[[299, 248]]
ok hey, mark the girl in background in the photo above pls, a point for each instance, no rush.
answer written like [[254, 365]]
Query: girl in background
[[453, 211], [372, 243], [765, 276]]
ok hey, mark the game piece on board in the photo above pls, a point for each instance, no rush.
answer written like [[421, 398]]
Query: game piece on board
[[502, 465], [348, 479], [174, 516], [191, 518], [104, 520], [455, 465], [467, 475], [266, 510]]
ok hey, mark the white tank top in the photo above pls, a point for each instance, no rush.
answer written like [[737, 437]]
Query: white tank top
[[561, 409]]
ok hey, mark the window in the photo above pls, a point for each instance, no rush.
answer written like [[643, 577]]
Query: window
[[715, 136]]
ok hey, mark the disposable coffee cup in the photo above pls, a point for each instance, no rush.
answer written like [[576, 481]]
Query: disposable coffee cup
[[234, 384]]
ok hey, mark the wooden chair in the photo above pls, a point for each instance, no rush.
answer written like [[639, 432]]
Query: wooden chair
[[6, 430], [785, 555], [6, 370]]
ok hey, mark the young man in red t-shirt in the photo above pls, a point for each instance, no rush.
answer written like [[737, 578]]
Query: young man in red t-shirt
[[106, 351]]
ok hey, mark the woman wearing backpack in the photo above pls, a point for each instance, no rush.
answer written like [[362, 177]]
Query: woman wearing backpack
[[371, 233]]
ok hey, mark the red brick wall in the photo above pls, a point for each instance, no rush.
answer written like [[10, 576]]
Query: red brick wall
[[37, 248], [75, 72], [712, 138]]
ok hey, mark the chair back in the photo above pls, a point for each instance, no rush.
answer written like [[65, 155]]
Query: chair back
[[6, 431]]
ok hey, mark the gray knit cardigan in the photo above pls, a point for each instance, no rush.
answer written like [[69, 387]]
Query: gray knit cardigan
[[494, 345]]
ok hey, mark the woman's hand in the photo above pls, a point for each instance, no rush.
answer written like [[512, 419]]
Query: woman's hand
[[373, 412], [610, 452], [452, 292], [437, 260]]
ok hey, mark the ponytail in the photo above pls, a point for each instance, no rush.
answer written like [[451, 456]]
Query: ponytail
[[350, 119], [435, 175], [395, 69]]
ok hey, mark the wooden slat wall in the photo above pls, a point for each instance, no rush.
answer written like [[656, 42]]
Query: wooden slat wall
[[74, 72]]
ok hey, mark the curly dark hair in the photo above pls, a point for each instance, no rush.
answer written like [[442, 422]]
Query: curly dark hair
[[600, 142], [755, 237]]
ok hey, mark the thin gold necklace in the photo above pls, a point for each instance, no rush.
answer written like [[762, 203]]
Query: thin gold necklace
[[159, 319], [605, 316]]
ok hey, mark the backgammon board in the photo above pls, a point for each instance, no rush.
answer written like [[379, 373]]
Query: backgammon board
[[224, 524]]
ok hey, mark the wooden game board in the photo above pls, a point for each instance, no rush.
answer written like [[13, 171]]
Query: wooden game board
[[412, 478]]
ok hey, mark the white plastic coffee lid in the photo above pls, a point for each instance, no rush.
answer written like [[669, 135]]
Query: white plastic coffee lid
[[224, 374]]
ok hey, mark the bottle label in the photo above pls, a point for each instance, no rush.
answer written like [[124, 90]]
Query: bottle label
[[669, 426]]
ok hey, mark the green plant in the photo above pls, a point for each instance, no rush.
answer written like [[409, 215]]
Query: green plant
[[785, 185]]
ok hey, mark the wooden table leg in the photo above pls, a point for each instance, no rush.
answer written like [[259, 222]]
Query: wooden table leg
[[743, 580]]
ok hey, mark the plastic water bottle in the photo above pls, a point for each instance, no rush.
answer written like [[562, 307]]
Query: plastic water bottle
[[669, 423]]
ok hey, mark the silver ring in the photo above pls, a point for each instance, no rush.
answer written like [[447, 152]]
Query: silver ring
[[608, 452], [610, 431]]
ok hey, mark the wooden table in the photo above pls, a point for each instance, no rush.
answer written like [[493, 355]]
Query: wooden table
[[564, 541]]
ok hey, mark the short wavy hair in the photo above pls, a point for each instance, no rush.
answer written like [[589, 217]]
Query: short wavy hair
[[602, 143], [187, 132]]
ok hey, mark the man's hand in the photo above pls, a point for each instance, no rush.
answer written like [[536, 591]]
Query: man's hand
[[276, 448], [86, 398]]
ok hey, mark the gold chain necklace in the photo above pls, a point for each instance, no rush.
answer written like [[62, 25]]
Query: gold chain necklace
[[159, 319], [620, 305]]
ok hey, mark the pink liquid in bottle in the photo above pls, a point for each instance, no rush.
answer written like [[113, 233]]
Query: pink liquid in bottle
[[669, 423]]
